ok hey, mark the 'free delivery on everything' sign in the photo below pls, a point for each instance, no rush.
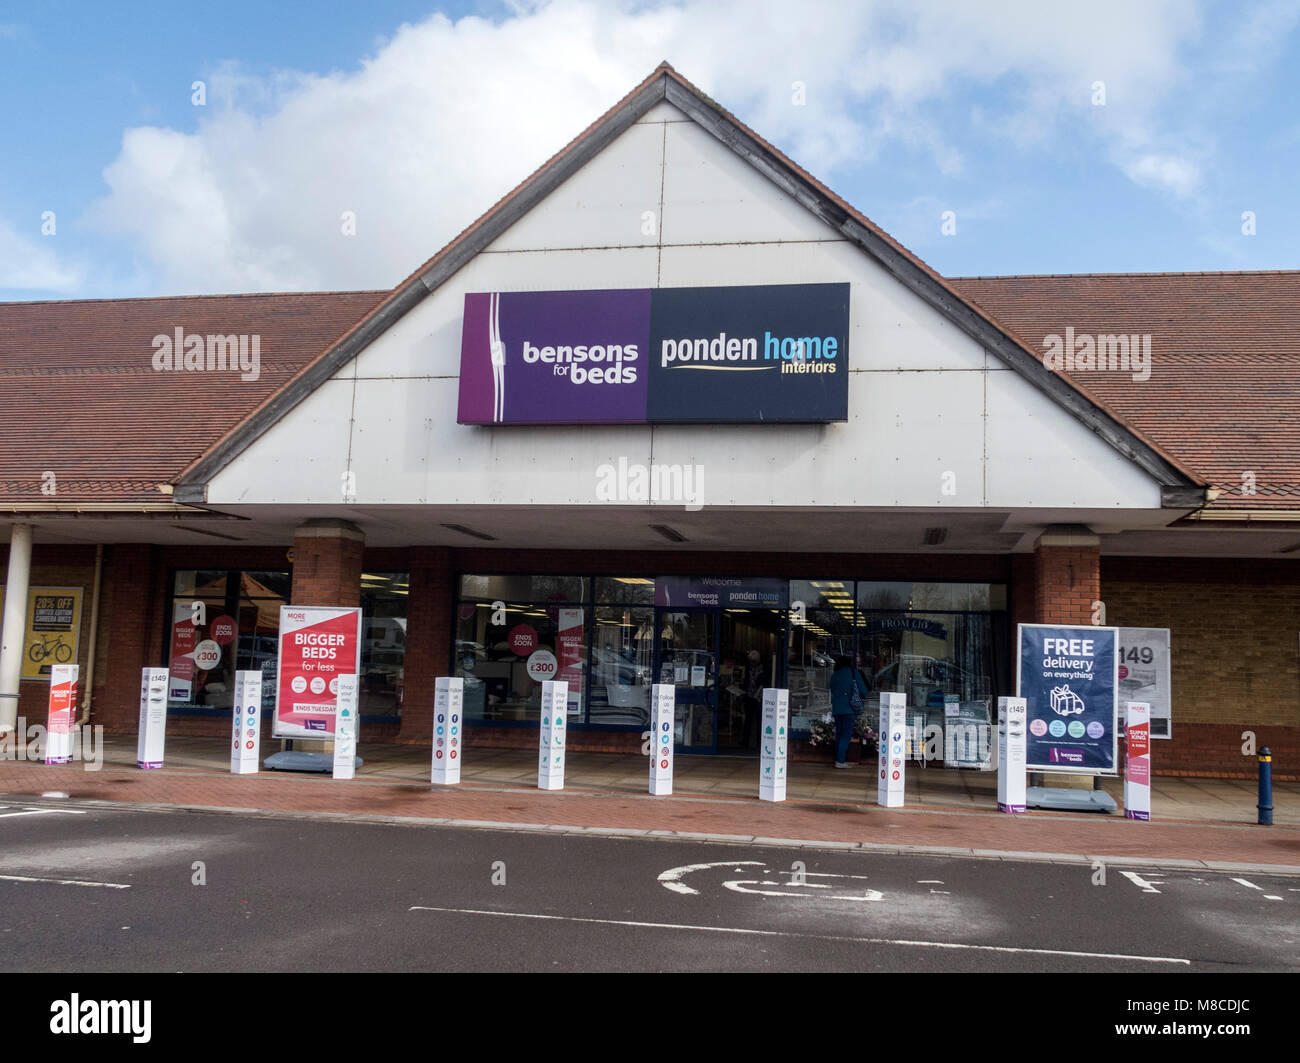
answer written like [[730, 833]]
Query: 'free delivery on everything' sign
[[764, 353], [1069, 678], [317, 645]]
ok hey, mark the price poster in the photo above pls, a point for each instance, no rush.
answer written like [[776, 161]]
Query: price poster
[[317, 645]]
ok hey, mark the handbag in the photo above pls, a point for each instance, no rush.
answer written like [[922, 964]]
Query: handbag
[[855, 696]]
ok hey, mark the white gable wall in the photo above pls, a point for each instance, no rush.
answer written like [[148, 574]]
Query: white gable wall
[[924, 399]]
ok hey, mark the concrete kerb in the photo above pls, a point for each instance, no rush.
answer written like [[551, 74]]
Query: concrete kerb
[[877, 848]]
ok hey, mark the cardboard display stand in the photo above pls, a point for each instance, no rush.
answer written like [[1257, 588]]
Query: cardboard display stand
[[550, 764], [1013, 718], [345, 727], [448, 713], [892, 741], [246, 731], [663, 708], [153, 718], [61, 722], [1137, 769], [773, 744]]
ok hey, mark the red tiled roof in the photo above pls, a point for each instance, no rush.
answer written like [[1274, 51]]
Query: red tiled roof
[[1224, 390], [80, 398]]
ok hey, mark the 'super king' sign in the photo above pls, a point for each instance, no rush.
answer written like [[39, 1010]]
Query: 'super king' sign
[[763, 353], [317, 645]]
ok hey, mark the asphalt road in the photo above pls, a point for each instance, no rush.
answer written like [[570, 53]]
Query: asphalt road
[[109, 890]]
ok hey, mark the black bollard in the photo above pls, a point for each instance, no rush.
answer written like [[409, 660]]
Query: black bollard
[[1266, 787]]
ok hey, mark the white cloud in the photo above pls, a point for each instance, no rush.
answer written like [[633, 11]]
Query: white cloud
[[31, 265], [1166, 172], [445, 117]]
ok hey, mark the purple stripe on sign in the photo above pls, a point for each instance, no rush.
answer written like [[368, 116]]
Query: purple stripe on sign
[[476, 386], [147, 764], [1129, 814], [1011, 808], [58, 760], [564, 357]]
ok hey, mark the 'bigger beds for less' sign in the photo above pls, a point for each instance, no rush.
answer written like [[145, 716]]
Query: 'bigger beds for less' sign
[[764, 353]]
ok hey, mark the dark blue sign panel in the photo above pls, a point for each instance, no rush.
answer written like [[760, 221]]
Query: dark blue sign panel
[[1069, 678], [685, 592], [755, 354]]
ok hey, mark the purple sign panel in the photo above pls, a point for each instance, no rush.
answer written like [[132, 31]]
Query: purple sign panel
[[665, 355], [708, 591]]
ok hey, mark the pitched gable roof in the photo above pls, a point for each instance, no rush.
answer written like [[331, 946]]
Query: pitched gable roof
[[1224, 388], [1182, 488], [83, 401]]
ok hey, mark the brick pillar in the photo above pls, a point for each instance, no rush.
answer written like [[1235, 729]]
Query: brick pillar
[[428, 638], [1067, 575], [327, 563], [129, 639]]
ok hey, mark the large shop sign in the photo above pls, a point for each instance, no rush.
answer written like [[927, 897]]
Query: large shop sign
[[317, 645], [1069, 678], [776, 353]]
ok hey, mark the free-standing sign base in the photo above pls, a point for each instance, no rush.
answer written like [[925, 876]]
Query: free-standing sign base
[[1059, 799], [301, 760]]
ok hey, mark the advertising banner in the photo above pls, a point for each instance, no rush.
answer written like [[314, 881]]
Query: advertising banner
[[153, 718], [774, 353], [448, 709], [1137, 766], [63, 712], [571, 644], [773, 744], [891, 737], [1069, 678], [53, 629], [246, 723], [720, 592], [550, 764], [1144, 674], [1013, 721], [348, 692], [317, 645], [663, 707]]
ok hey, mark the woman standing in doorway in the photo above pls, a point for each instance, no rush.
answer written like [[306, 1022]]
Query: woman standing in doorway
[[847, 696]]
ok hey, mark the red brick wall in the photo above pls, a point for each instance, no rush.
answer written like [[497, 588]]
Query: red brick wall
[[1235, 655], [1067, 580], [428, 638], [327, 571]]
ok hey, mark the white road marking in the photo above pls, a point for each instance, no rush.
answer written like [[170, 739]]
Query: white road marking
[[1252, 885], [1141, 883], [44, 812], [929, 882], [817, 937], [1271, 897], [64, 882], [672, 878], [944, 893]]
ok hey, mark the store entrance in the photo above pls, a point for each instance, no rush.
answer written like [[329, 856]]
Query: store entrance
[[719, 660]]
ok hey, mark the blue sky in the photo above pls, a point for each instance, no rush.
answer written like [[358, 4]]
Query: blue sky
[[417, 116]]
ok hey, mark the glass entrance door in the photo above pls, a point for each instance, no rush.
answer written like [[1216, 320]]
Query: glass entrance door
[[687, 658], [720, 661], [750, 659]]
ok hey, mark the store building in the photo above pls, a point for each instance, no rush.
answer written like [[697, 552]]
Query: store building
[[798, 441]]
